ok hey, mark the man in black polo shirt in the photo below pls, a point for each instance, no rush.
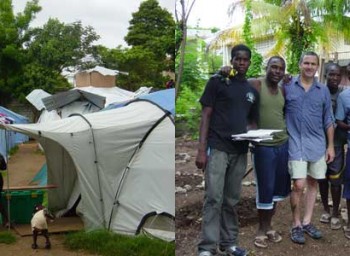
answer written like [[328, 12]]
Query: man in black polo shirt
[[229, 106]]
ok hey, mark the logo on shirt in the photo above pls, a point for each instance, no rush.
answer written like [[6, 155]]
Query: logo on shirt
[[250, 97]]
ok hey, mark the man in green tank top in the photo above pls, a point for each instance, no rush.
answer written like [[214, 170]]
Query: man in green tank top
[[270, 157]]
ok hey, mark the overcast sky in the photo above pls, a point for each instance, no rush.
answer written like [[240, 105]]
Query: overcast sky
[[212, 13], [109, 18]]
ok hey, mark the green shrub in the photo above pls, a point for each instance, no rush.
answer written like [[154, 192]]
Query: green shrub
[[7, 237], [188, 111]]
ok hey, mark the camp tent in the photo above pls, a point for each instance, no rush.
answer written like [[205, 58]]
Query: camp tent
[[120, 161], [163, 98], [11, 139]]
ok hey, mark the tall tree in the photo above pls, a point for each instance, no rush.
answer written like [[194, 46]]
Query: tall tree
[[58, 45], [182, 12], [152, 27], [13, 33], [151, 37], [49, 50]]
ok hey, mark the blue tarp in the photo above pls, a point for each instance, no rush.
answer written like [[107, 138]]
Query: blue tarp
[[41, 176], [164, 98], [13, 138]]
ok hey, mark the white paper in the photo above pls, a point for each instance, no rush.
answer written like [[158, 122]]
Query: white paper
[[256, 135]]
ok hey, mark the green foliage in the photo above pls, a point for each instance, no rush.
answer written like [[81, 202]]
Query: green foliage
[[7, 237], [214, 62], [188, 110], [191, 72], [301, 38], [13, 150], [58, 45], [214, 30], [256, 60], [300, 25], [152, 28], [13, 33], [38, 76], [151, 37], [105, 243], [143, 67]]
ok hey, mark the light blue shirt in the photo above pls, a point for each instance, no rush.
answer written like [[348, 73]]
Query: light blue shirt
[[308, 116], [343, 109]]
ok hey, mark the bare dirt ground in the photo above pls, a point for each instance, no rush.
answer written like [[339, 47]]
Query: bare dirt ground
[[22, 167], [189, 199]]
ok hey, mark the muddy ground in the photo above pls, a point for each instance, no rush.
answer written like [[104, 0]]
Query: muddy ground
[[189, 199], [23, 166]]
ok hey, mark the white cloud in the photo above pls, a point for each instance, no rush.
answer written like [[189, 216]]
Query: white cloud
[[209, 14], [109, 18]]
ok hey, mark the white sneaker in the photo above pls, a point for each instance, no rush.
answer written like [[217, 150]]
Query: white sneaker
[[205, 253]]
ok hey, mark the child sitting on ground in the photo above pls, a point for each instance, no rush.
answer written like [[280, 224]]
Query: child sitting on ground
[[39, 225]]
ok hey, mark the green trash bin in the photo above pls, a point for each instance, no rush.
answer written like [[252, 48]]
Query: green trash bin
[[22, 203]]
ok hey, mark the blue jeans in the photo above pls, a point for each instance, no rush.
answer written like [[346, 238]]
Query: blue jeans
[[223, 183]]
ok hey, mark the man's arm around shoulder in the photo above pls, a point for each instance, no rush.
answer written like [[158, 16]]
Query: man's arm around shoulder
[[255, 83]]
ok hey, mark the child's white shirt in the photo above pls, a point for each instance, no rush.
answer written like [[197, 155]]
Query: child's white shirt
[[39, 220]]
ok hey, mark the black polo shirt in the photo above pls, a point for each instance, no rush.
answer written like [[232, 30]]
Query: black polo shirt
[[235, 103]]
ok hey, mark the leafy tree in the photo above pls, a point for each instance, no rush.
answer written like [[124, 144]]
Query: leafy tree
[[13, 33], [50, 49], [151, 37], [57, 45], [35, 75], [152, 27], [140, 63]]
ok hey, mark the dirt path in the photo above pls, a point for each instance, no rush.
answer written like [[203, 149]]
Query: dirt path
[[23, 166], [189, 207]]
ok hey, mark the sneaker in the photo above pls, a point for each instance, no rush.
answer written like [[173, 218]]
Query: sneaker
[[312, 231], [205, 253], [233, 251], [297, 235]]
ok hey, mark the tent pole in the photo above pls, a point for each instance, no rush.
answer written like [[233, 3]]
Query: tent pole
[[96, 162], [127, 168], [7, 150]]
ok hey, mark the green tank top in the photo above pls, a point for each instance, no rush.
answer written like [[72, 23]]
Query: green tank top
[[271, 115]]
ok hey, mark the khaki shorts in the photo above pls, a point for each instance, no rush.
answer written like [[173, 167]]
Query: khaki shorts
[[302, 169]]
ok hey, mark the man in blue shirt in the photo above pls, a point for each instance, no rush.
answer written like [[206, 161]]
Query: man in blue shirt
[[309, 121], [342, 116]]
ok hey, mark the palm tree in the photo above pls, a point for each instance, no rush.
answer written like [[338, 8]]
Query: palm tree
[[299, 25]]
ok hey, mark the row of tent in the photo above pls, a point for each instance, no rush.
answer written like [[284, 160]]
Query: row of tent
[[119, 164]]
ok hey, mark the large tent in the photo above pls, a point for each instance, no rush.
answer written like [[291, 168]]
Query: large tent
[[121, 162]]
